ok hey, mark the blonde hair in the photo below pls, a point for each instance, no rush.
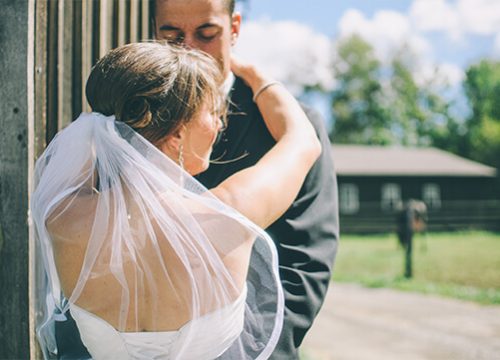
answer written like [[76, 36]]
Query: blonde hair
[[155, 87]]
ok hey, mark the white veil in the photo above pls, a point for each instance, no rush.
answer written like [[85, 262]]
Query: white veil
[[125, 234]]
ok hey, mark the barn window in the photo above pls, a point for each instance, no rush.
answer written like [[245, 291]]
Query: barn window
[[349, 198], [391, 197], [431, 194]]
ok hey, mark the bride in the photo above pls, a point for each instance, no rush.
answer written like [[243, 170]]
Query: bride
[[149, 262]]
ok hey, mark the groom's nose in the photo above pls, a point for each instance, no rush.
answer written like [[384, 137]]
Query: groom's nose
[[191, 42]]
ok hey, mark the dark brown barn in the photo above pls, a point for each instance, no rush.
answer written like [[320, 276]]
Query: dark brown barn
[[374, 183]]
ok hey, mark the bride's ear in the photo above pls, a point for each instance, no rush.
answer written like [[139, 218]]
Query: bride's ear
[[171, 144]]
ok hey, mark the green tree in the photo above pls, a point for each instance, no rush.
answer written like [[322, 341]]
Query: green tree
[[383, 105], [405, 101], [357, 105], [482, 87], [420, 114]]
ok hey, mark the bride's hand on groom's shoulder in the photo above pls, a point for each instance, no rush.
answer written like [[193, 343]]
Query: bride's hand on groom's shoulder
[[250, 74], [241, 68]]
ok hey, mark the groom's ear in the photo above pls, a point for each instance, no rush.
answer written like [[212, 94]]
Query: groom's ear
[[235, 27]]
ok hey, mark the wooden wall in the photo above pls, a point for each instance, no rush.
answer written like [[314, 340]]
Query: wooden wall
[[47, 48], [70, 37]]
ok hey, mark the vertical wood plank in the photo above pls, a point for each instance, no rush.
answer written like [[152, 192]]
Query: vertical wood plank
[[33, 23], [95, 30], [127, 17], [65, 63], [52, 72], [77, 60], [105, 26], [144, 20], [122, 23], [134, 21], [87, 47], [15, 51], [41, 67]]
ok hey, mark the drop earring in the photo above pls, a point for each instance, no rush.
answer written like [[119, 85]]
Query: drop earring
[[181, 156]]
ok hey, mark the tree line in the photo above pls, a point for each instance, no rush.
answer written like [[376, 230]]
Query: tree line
[[383, 104]]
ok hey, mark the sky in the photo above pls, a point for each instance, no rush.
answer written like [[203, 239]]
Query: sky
[[292, 40]]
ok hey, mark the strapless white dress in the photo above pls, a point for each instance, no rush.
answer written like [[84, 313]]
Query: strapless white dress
[[209, 336]]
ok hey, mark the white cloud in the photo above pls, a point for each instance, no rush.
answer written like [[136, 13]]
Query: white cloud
[[390, 32], [457, 18], [481, 17], [437, 15], [389, 24], [288, 51], [387, 32], [452, 73], [439, 75]]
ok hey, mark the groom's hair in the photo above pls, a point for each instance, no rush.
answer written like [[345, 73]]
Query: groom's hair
[[229, 5]]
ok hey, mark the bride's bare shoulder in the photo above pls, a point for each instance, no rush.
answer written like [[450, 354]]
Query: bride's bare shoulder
[[73, 216]]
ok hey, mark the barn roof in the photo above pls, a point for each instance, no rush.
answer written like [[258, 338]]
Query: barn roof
[[404, 161]]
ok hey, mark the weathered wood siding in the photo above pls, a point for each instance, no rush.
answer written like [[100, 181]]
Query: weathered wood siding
[[15, 120], [72, 36]]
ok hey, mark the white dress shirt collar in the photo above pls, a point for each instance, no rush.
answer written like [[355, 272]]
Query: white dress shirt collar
[[228, 83]]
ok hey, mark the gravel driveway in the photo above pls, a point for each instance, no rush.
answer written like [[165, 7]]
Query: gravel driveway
[[360, 323]]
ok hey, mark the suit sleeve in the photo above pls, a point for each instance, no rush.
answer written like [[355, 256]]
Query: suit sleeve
[[307, 237]]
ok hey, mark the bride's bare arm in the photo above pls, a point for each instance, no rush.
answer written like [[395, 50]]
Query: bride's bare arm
[[263, 192]]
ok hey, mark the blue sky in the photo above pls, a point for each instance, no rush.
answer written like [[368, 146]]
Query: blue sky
[[479, 27], [322, 15], [446, 36]]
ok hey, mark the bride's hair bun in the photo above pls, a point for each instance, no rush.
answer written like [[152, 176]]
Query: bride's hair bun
[[154, 87], [136, 113]]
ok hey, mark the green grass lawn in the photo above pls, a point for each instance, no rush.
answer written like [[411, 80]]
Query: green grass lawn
[[463, 265]]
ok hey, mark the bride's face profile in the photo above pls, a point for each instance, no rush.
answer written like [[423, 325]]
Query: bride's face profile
[[197, 137]]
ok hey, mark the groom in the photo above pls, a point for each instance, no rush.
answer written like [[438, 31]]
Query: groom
[[306, 235]]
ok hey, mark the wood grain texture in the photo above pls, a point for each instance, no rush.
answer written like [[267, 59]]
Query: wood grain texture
[[14, 296]]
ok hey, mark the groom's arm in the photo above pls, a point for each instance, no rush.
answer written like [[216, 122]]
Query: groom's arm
[[306, 237]]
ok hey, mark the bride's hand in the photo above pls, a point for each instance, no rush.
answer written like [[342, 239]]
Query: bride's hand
[[238, 67], [249, 73], [280, 110]]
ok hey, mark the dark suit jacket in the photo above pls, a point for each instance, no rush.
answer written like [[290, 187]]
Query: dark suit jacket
[[306, 235]]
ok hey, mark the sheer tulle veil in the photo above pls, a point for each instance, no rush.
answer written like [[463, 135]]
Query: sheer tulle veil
[[124, 233]]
